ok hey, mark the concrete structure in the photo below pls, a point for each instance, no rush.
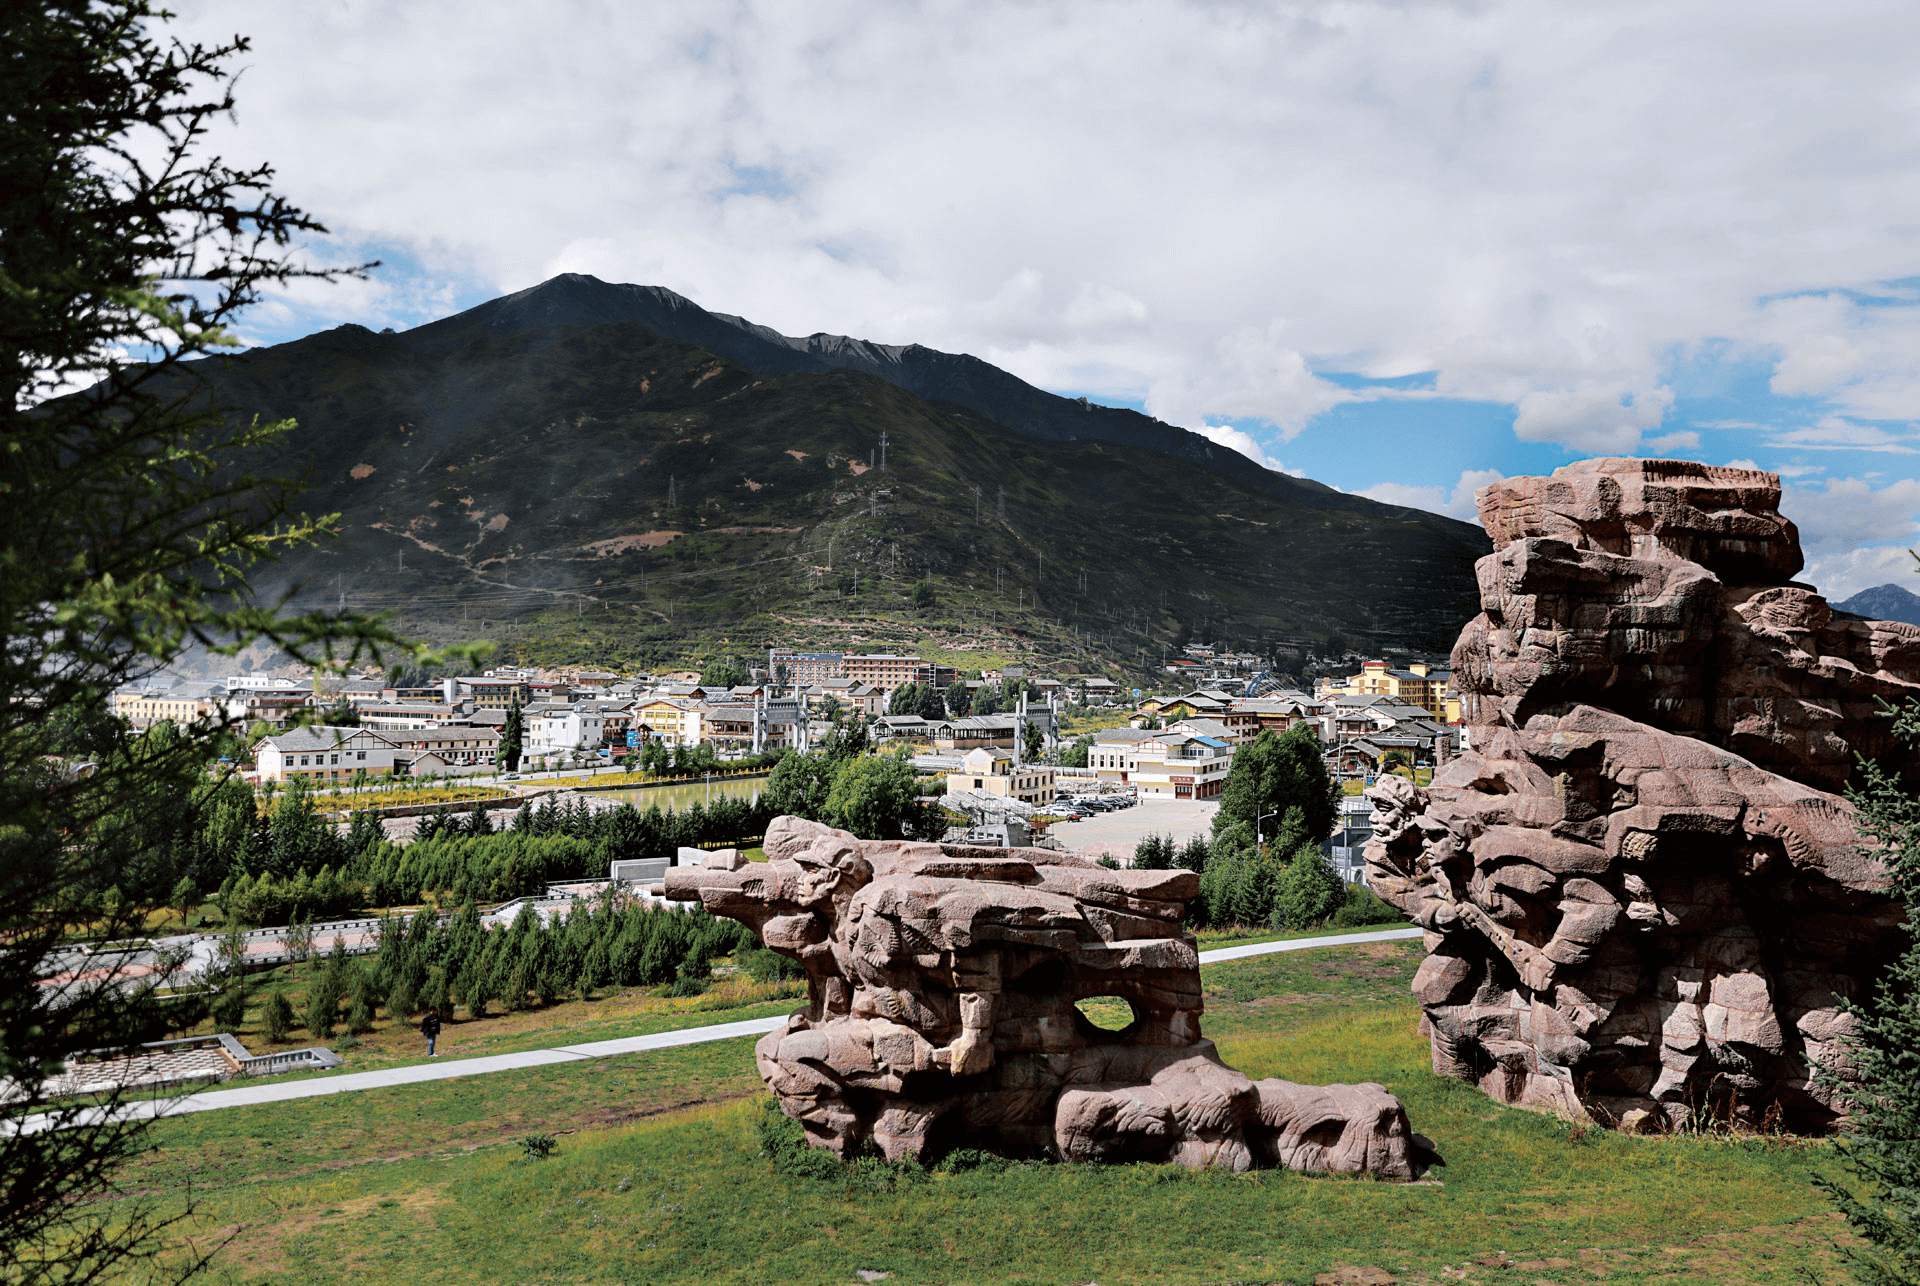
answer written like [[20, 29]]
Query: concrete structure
[[942, 984], [993, 772], [1645, 898]]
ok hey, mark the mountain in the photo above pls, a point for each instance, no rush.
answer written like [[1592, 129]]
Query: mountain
[[548, 471], [1884, 603], [575, 299]]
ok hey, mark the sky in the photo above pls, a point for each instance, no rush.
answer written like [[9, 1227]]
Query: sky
[[1402, 248]]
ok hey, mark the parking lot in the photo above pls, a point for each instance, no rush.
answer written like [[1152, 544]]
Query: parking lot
[[1114, 834]]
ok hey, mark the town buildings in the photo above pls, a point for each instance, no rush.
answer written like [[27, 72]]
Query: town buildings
[[882, 670], [326, 755], [1419, 684], [992, 772]]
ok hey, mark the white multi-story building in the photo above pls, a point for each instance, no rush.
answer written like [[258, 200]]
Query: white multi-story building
[[325, 756], [1174, 765], [1114, 755], [558, 729], [1180, 765]]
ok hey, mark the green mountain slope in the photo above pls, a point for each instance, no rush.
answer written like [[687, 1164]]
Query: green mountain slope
[[602, 492]]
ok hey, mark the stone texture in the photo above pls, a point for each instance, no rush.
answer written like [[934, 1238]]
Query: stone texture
[[942, 982], [1641, 896]]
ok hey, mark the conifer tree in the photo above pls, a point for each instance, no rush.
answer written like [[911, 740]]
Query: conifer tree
[[1882, 1148], [276, 1017], [510, 739]]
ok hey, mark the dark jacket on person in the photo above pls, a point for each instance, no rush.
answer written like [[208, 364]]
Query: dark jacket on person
[[430, 1025]]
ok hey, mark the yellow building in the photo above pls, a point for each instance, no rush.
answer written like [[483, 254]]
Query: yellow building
[[1417, 685], [674, 723], [992, 772]]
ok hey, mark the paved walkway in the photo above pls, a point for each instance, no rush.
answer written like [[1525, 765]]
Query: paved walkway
[[416, 1073]]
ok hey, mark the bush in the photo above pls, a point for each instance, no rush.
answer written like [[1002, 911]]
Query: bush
[[538, 1147], [762, 964], [360, 1009], [784, 1143], [1364, 906], [1308, 890], [323, 1004], [434, 995], [401, 1001], [277, 1018], [961, 1160]]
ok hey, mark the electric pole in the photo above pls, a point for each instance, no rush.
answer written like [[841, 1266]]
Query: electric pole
[[883, 450]]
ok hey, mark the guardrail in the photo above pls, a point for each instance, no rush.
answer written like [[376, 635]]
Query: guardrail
[[316, 1058]]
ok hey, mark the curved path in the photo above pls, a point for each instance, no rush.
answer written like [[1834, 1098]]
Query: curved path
[[415, 1073]]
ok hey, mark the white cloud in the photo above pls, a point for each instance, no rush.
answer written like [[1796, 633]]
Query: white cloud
[[1192, 203], [1595, 420], [1667, 443], [1842, 576], [1238, 440], [1855, 535], [1836, 433], [1457, 502]]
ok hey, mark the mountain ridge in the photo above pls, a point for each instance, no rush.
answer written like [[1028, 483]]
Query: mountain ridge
[[595, 490], [1887, 602], [572, 299]]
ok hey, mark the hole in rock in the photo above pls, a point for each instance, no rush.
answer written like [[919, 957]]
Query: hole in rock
[[1108, 1013]]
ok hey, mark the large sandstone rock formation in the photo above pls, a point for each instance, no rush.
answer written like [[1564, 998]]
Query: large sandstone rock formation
[[942, 984], [1642, 898]]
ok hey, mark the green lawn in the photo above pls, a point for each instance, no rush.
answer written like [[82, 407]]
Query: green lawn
[[657, 1179]]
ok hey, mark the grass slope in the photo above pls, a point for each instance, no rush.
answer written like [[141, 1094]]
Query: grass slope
[[600, 492], [657, 1179]]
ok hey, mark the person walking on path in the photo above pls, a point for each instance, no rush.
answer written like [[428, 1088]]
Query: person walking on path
[[430, 1028]]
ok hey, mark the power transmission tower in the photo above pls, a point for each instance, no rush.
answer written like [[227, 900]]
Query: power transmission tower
[[976, 502], [1000, 504], [883, 450], [672, 490]]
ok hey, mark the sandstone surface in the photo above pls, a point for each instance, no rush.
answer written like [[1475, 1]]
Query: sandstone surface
[[941, 1013], [1643, 899]]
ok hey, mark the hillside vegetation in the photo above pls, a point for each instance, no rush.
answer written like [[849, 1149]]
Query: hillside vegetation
[[601, 492]]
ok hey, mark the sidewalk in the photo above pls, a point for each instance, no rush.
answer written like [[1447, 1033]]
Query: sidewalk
[[417, 1073]]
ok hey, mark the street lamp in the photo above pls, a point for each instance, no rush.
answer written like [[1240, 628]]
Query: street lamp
[[1261, 817]]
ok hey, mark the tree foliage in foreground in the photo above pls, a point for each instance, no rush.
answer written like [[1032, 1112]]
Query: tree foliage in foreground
[[1882, 1089], [129, 526]]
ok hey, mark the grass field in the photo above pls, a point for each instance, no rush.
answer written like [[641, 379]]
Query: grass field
[[657, 1179]]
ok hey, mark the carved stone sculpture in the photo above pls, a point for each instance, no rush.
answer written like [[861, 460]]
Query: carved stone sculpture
[[1642, 899], [942, 984]]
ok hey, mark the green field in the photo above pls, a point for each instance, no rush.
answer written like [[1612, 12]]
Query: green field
[[658, 1178]]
